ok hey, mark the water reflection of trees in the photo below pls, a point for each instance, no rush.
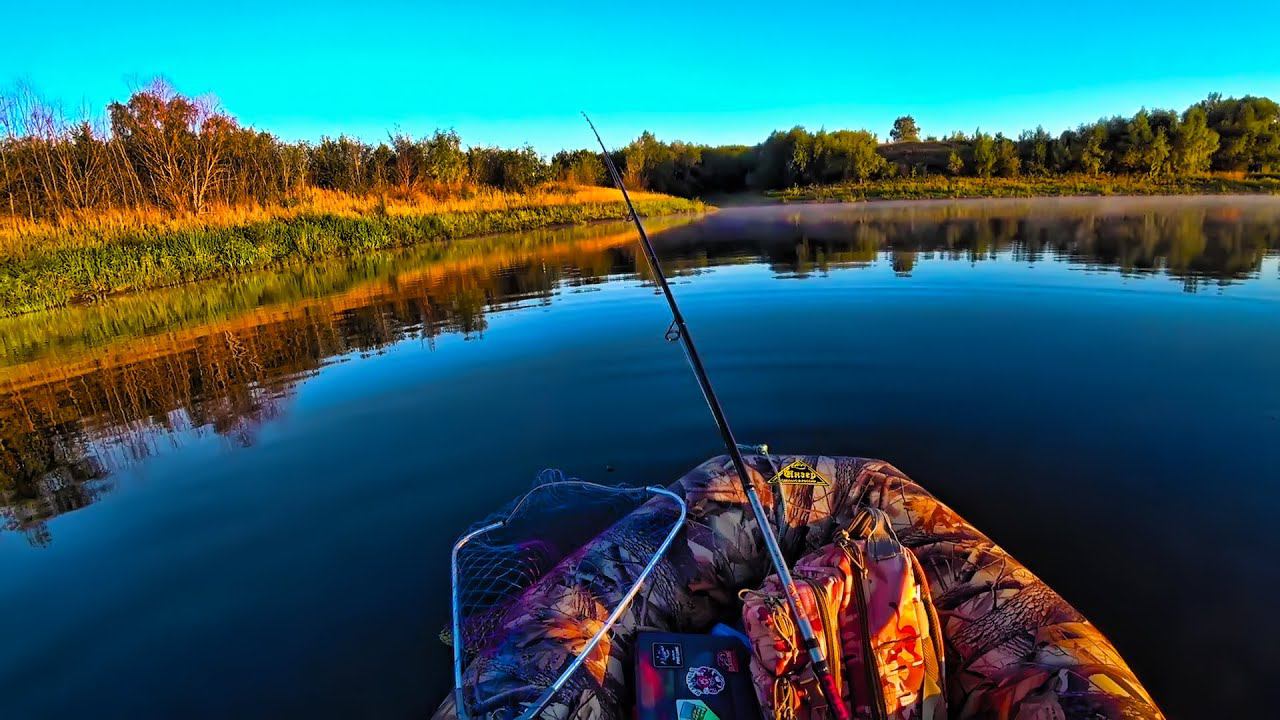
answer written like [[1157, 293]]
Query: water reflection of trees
[[63, 428], [67, 418], [1197, 245]]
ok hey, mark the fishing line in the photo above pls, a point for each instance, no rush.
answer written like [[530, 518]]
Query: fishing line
[[679, 330]]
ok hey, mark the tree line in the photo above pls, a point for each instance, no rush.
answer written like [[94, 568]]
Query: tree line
[[1236, 135], [161, 149]]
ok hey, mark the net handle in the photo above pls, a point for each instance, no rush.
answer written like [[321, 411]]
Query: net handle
[[623, 604]]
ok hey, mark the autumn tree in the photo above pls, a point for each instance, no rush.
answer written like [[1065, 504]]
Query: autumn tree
[[408, 161], [51, 165], [260, 168], [177, 144]]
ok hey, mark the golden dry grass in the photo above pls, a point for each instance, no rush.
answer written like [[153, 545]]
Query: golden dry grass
[[20, 237], [52, 264]]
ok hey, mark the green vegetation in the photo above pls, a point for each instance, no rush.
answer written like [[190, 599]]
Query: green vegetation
[[161, 150], [905, 130], [161, 257], [1238, 137], [942, 187], [68, 333], [166, 189]]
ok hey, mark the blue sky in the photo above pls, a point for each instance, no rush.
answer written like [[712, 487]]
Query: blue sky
[[509, 73]]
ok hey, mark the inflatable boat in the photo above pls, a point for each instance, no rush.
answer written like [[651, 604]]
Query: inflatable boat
[[1015, 649]]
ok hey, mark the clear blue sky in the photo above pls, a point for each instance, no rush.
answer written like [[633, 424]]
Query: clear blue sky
[[508, 73]]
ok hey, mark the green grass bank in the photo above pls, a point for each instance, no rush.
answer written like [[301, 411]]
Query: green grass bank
[[152, 258], [941, 187]]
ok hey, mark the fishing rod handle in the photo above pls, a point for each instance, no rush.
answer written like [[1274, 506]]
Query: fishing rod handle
[[827, 681]]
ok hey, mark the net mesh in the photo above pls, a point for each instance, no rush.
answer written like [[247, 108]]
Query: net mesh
[[557, 516]]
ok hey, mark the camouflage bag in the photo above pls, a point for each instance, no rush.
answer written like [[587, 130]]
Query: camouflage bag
[[787, 690], [893, 650], [866, 595]]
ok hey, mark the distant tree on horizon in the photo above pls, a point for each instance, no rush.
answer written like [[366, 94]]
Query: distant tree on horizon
[[1008, 164], [905, 130], [984, 154], [583, 167], [1034, 148], [1248, 130], [1093, 155], [1194, 143]]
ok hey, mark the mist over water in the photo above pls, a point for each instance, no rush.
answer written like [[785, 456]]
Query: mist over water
[[237, 498]]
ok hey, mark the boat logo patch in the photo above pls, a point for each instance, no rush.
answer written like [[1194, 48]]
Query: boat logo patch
[[668, 655], [799, 472], [704, 680]]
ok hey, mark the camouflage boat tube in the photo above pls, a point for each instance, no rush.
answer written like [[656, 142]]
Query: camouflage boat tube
[[1015, 649]]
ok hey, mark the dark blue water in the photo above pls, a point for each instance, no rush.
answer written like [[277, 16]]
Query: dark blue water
[[249, 514]]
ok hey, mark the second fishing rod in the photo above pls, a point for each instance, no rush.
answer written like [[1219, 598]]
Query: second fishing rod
[[679, 330]]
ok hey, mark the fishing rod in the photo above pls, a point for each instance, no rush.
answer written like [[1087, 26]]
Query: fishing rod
[[679, 330]]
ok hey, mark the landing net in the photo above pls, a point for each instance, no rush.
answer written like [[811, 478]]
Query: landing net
[[536, 531]]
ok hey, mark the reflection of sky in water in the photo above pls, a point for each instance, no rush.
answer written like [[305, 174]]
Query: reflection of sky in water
[[1079, 415]]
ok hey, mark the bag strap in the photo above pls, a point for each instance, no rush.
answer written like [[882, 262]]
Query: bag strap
[[872, 526], [935, 658]]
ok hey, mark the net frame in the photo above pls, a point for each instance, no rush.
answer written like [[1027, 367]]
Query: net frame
[[498, 572]]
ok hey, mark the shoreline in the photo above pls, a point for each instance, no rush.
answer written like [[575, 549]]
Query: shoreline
[[154, 258], [748, 201], [936, 187], [133, 325]]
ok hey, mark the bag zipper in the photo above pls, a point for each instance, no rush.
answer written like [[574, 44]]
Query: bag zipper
[[879, 710], [832, 633]]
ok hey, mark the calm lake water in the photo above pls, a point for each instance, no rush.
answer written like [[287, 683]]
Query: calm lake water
[[237, 499]]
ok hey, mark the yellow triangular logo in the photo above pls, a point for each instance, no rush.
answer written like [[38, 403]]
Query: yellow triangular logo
[[798, 472]]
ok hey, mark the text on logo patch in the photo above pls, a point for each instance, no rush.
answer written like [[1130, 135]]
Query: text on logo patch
[[798, 472]]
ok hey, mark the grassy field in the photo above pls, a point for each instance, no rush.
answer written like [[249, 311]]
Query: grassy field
[[941, 187], [44, 265], [61, 336]]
